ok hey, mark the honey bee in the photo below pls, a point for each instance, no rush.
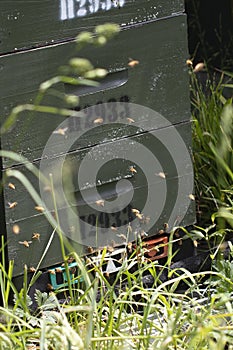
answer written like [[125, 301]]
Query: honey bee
[[47, 189], [161, 232], [143, 234], [70, 259], [50, 287], [73, 270], [161, 174], [132, 63], [58, 270], [61, 131], [16, 229], [166, 226], [110, 249], [25, 243], [32, 269], [146, 220], [199, 67], [113, 228], [135, 211], [130, 246], [139, 216], [36, 236], [195, 243], [192, 197], [11, 186], [12, 205], [189, 63], [132, 169], [130, 120], [100, 202], [90, 250], [52, 272], [39, 208], [98, 121]]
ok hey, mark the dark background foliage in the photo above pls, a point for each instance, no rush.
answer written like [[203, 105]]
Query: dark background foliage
[[211, 31]]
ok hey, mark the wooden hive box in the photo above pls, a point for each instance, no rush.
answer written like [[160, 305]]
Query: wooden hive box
[[36, 38]]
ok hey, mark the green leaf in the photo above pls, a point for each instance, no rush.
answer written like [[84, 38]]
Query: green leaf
[[45, 301]]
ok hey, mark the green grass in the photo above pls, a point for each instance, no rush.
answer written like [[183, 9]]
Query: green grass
[[212, 149], [133, 318]]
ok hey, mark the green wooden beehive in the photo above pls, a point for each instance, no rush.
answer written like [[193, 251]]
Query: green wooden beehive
[[36, 38]]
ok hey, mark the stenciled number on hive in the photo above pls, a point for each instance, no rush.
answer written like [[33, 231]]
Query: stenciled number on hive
[[70, 9]]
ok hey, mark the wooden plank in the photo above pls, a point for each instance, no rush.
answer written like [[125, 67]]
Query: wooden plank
[[160, 82], [27, 24], [31, 221]]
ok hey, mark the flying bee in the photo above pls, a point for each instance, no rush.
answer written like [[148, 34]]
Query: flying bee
[[90, 250], [130, 120], [132, 63], [139, 216], [135, 211], [61, 131], [161, 174], [146, 220], [189, 63], [39, 208], [132, 169], [192, 197], [199, 67], [11, 186], [113, 228], [36, 236], [100, 203], [25, 243], [98, 121], [16, 229], [12, 205], [166, 226], [47, 189]]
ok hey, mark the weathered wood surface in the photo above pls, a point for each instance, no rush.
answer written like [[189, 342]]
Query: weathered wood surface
[[160, 82], [27, 24]]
